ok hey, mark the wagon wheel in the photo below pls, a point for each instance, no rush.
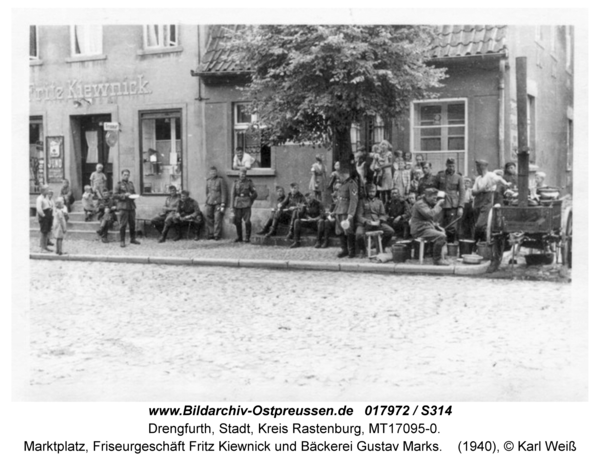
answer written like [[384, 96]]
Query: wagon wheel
[[567, 239], [490, 221]]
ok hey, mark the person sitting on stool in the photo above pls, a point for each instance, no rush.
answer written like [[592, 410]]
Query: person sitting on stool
[[424, 223]]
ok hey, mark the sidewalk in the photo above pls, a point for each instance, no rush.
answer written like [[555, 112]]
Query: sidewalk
[[229, 254]]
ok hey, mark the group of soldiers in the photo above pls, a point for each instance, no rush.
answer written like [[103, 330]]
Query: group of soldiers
[[432, 213]]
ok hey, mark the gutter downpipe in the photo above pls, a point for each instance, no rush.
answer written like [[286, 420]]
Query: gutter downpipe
[[501, 113]]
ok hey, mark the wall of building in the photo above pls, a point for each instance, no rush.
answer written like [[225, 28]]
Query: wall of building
[[550, 82], [156, 81]]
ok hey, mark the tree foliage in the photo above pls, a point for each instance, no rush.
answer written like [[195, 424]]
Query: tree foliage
[[311, 82]]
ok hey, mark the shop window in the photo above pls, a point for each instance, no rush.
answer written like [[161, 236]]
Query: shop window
[[248, 134], [439, 127], [161, 145], [86, 40], [33, 43], [160, 36], [37, 175]]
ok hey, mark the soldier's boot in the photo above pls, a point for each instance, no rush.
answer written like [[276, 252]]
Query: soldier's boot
[[290, 234], [264, 230], [351, 246], [179, 233], [163, 235], [319, 243], [273, 229], [248, 232], [122, 236], [361, 247], [325, 239], [132, 239], [344, 242], [238, 229], [104, 239], [197, 233]]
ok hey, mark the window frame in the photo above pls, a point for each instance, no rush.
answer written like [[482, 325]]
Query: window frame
[[84, 56], [168, 47], [160, 114], [242, 127], [37, 44]]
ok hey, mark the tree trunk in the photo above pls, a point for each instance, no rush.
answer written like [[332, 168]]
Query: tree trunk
[[342, 145]]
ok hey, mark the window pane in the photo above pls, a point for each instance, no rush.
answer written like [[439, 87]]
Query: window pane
[[431, 144], [456, 130], [242, 114], [456, 143], [456, 114], [431, 115], [161, 153], [33, 42], [431, 132]]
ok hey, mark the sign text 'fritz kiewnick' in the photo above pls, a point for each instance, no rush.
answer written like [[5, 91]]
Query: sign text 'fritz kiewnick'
[[78, 89]]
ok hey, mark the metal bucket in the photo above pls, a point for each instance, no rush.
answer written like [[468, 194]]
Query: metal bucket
[[466, 246], [484, 250], [452, 249], [400, 253]]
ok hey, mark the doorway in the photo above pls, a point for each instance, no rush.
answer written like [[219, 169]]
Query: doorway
[[93, 148]]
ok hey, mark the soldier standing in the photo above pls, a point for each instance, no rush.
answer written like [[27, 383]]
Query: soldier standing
[[453, 185], [125, 207], [216, 201], [345, 210], [243, 194]]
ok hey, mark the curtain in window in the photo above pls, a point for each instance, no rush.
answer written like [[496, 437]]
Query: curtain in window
[[91, 138], [88, 40]]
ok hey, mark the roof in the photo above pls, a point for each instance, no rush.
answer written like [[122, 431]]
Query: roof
[[450, 42], [463, 41], [217, 58]]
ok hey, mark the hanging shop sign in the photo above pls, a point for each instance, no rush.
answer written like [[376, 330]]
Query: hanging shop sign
[[55, 155], [112, 133], [80, 90]]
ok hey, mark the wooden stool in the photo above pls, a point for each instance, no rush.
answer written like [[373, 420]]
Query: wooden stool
[[421, 242], [369, 235]]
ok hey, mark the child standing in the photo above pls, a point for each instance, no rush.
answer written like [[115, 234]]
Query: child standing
[[98, 181], [59, 225], [88, 203]]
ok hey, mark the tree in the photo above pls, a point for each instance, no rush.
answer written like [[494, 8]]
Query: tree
[[310, 83]]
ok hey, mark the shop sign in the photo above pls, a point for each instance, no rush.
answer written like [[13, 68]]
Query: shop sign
[[77, 89], [56, 159], [111, 126]]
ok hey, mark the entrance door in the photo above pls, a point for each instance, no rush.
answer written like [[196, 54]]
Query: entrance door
[[94, 149]]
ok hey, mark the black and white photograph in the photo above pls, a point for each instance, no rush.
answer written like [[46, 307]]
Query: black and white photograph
[[302, 212]]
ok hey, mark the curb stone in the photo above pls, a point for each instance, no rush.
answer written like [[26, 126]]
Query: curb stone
[[215, 262], [313, 265], [170, 260], [128, 259], [430, 269], [263, 263]]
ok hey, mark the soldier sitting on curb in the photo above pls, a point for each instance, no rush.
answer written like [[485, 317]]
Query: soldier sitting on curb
[[284, 219], [107, 214], [312, 216], [291, 206], [189, 214]]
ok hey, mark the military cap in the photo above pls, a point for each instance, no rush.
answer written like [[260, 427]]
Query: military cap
[[450, 161], [481, 162]]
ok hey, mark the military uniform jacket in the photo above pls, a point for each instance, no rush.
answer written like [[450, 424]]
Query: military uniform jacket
[[347, 198], [423, 217], [171, 206], [121, 189], [395, 208], [454, 187], [216, 191], [370, 210], [110, 203], [314, 209], [243, 193], [428, 181], [293, 200], [189, 207]]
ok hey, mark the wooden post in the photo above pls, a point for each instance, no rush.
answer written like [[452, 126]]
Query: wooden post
[[523, 150]]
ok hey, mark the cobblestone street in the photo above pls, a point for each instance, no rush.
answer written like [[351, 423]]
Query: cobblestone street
[[102, 331]]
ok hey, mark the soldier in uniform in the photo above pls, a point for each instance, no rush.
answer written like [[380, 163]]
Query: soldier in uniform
[[484, 190], [125, 207], [283, 219], [188, 213], [166, 219], [453, 185], [107, 207], [312, 215], [216, 201], [345, 210], [428, 180], [424, 223], [371, 216], [243, 195], [395, 210], [291, 206]]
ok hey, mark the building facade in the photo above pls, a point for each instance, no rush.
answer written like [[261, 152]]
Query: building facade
[[164, 101]]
